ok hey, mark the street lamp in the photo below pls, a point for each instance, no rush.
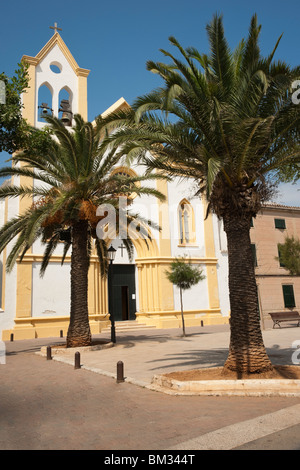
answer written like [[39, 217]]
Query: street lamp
[[111, 254]]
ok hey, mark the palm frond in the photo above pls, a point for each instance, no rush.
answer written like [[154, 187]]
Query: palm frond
[[220, 56]]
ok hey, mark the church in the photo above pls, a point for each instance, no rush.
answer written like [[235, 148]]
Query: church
[[35, 307]]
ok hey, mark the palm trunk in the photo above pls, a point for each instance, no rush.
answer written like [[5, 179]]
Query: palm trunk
[[79, 333], [247, 353]]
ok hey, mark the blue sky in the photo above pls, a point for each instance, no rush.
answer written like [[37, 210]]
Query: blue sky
[[115, 39]]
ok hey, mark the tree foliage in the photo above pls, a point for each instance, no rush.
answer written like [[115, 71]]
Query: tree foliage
[[13, 128], [73, 176], [289, 255], [225, 120], [183, 275]]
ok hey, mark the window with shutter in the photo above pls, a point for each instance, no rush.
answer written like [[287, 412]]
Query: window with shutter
[[288, 296], [279, 223]]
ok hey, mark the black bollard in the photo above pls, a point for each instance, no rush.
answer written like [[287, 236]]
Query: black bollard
[[77, 360], [120, 372], [12, 337], [61, 333], [49, 356], [201, 323]]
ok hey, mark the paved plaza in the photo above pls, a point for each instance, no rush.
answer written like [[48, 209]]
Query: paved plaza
[[48, 404]]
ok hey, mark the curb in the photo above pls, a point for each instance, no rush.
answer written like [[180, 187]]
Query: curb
[[61, 349], [249, 388]]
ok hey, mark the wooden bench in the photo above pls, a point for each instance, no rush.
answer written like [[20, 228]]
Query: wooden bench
[[279, 317]]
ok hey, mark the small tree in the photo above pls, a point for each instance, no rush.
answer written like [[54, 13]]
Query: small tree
[[13, 128], [289, 255], [183, 275]]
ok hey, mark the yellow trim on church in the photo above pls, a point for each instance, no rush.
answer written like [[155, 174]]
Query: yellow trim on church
[[56, 39]]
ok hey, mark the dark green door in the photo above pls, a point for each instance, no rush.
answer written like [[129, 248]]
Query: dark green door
[[123, 288]]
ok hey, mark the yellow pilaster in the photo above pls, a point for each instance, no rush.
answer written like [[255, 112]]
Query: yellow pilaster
[[211, 269], [24, 290], [24, 271], [82, 93], [97, 289], [28, 98], [92, 289], [164, 286], [163, 207], [4, 259]]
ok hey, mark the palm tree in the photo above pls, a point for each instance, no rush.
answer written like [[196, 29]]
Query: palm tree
[[73, 177], [227, 121]]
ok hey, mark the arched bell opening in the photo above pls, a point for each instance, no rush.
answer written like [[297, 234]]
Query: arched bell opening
[[65, 99], [45, 96]]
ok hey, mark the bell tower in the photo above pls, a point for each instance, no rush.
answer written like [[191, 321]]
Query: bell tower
[[54, 71], [57, 85]]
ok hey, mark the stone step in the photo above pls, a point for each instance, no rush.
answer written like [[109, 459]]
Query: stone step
[[128, 325]]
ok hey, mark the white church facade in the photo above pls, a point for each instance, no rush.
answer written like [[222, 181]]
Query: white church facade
[[32, 306]]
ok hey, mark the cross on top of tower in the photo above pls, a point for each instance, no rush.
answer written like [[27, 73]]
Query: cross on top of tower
[[55, 28]]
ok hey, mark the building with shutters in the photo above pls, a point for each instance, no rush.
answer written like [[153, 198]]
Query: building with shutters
[[278, 290]]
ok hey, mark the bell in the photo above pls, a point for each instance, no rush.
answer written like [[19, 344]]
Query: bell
[[65, 119], [45, 110], [65, 108]]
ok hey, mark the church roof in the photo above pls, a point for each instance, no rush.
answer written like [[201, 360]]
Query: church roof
[[56, 39], [275, 205], [117, 106]]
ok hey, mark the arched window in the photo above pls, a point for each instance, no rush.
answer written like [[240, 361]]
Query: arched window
[[186, 223], [44, 101], [125, 171]]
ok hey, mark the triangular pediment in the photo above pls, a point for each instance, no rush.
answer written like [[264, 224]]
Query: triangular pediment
[[114, 108], [117, 106], [56, 40]]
